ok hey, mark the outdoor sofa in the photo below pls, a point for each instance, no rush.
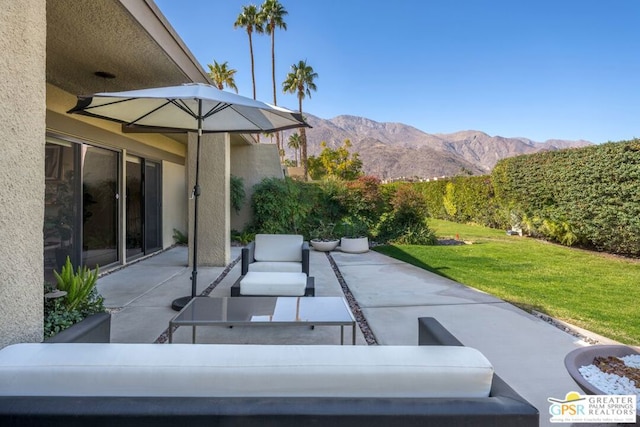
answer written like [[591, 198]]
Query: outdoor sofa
[[275, 265], [167, 385]]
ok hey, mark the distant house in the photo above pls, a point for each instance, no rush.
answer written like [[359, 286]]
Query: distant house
[[80, 187]]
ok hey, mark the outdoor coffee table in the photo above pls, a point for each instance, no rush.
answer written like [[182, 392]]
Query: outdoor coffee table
[[262, 311]]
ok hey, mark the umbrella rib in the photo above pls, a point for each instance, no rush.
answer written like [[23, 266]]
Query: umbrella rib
[[108, 103], [169, 101], [222, 106], [180, 103], [215, 109]]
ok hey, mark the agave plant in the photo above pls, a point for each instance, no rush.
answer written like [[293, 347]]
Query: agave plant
[[78, 286]]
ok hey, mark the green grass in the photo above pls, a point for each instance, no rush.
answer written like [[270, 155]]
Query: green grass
[[598, 292]]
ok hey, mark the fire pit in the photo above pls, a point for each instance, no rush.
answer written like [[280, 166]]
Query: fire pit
[[585, 356]]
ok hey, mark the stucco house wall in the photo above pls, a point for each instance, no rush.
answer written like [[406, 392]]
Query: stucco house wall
[[174, 201], [213, 210], [252, 163], [22, 118]]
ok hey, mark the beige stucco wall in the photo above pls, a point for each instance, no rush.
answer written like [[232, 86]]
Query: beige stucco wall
[[214, 211], [22, 129], [174, 201], [252, 163]]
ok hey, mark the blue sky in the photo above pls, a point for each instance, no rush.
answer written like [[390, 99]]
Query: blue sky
[[541, 69]]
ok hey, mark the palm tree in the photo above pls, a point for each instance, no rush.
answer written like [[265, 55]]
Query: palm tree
[[222, 75], [294, 142], [250, 20], [300, 81], [272, 14]]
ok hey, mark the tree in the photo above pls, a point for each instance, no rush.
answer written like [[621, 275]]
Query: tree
[[301, 81], [294, 142], [222, 75], [339, 163], [249, 19], [271, 15]]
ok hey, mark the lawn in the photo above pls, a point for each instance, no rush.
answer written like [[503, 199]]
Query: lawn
[[597, 292]]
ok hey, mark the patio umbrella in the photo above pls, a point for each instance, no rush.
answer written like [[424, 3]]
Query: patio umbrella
[[194, 107]]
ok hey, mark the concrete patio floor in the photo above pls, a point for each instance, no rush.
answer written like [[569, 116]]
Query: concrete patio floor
[[526, 351]]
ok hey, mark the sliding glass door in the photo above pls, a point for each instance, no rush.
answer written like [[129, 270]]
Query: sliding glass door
[[62, 215], [152, 206], [99, 206], [83, 215], [135, 208], [144, 207]]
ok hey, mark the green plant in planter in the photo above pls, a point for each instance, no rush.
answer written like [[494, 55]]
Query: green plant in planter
[[353, 228], [324, 232], [58, 318], [81, 300]]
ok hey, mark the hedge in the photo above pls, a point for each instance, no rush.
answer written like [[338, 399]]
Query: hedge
[[588, 196]]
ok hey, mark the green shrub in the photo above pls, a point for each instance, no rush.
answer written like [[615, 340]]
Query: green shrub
[[244, 237], [180, 238], [406, 220], [237, 193], [420, 234], [280, 206], [362, 201]]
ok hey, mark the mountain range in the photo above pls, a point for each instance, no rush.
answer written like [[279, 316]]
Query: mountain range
[[396, 150]]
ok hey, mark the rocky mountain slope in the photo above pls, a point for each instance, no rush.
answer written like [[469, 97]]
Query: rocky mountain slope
[[395, 150]]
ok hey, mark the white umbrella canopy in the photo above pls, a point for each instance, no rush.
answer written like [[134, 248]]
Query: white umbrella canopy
[[179, 108], [192, 107]]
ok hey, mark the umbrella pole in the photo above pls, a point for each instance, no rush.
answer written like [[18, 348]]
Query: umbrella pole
[[196, 195], [179, 303]]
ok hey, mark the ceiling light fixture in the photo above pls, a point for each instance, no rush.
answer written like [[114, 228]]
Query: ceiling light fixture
[[105, 74]]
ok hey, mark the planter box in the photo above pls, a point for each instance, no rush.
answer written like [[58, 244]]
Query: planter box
[[356, 245], [94, 329], [321, 246]]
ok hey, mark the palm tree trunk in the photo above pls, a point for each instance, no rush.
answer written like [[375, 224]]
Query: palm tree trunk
[[303, 143], [273, 78], [303, 147], [273, 64], [253, 73]]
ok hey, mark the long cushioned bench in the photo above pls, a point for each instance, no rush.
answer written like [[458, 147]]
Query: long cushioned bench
[[246, 385]]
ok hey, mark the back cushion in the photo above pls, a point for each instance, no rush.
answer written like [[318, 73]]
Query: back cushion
[[278, 247]]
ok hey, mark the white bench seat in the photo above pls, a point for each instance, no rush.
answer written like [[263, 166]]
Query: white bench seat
[[206, 370], [273, 284]]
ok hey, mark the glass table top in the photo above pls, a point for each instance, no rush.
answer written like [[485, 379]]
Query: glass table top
[[266, 310]]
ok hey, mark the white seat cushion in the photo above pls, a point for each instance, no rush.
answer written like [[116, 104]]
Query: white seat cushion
[[275, 266], [278, 247], [271, 283], [243, 370]]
